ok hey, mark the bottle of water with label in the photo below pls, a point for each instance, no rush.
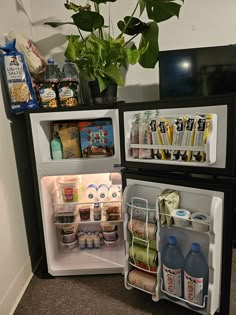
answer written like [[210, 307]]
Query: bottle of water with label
[[195, 275], [172, 268], [48, 87], [69, 85]]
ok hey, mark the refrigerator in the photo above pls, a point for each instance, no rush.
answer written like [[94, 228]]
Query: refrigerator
[[139, 170]]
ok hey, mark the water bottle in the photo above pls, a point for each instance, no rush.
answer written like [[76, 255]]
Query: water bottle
[[172, 268], [48, 93], [195, 275], [69, 85], [56, 147]]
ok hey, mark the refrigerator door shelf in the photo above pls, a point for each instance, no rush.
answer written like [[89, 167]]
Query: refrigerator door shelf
[[196, 306], [211, 203], [209, 149]]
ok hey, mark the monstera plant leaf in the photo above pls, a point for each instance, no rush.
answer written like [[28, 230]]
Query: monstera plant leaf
[[161, 10], [149, 42], [88, 21], [131, 26]]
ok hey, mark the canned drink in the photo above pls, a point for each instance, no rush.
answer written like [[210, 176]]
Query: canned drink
[[142, 280], [142, 229], [142, 255], [141, 214]]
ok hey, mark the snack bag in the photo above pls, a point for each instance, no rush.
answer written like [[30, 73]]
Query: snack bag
[[188, 138], [178, 132], [70, 142], [134, 135], [145, 136], [201, 135], [165, 135], [34, 60], [168, 201], [17, 78]]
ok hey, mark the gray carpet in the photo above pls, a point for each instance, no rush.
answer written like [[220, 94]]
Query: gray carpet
[[97, 295]]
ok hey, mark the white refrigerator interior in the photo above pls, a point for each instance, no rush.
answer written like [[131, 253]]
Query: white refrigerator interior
[[195, 200], [64, 222]]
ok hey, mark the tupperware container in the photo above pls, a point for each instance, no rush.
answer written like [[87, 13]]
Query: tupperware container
[[108, 226], [68, 237], [110, 236], [65, 214], [70, 187], [84, 212], [111, 244]]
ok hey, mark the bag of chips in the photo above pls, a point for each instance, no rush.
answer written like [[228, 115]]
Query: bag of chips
[[17, 79]]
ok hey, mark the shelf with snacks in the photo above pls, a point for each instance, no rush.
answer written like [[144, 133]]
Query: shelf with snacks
[[80, 213], [170, 139]]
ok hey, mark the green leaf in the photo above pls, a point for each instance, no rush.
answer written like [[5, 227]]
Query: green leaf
[[88, 21], [161, 10], [72, 49], [131, 26], [102, 82], [150, 37], [57, 24], [133, 55], [142, 6], [114, 74]]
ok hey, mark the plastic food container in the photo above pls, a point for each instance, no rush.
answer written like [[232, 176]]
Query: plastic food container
[[200, 222], [68, 237], [70, 187], [108, 226], [181, 217], [110, 244], [69, 245], [110, 236], [84, 212]]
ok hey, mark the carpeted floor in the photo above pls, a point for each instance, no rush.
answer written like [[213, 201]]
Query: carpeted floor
[[97, 295]]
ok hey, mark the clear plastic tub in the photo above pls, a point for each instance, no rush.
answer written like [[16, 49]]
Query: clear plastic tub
[[70, 188]]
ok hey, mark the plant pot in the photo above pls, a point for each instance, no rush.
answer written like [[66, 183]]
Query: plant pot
[[108, 96]]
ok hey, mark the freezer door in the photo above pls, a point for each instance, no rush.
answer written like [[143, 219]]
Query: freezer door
[[194, 135], [96, 138], [143, 203]]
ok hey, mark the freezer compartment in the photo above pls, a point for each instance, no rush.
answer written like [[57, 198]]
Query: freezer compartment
[[62, 139], [187, 136], [206, 202], [75, 238]]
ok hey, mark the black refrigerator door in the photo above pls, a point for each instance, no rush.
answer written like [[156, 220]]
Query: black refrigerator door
[[145, 146], [211, 197]]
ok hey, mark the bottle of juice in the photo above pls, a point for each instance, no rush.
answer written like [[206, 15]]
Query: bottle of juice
[[172, 267], [195, 275]]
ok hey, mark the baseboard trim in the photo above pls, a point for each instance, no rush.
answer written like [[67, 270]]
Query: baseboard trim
[[17, 289]]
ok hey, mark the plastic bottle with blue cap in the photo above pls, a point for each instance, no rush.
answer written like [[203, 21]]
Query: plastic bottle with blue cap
[[195, 275], [172, 268]]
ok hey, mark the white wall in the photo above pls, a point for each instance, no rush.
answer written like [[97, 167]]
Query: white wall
[[201, 23], [15, 267]]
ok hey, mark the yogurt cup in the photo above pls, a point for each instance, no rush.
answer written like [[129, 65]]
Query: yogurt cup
[[181, 217], [110, 244], [68, 237], [200, 222]]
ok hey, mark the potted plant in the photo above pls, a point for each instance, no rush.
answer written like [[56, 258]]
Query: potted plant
[[100, 56]]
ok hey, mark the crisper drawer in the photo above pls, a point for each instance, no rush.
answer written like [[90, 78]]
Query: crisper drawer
[[81, 141], [188, 136]]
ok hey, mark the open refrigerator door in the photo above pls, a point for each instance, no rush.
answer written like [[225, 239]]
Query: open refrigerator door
[[154, 212]]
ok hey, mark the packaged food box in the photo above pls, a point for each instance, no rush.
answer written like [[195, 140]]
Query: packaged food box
[[96, 138]]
